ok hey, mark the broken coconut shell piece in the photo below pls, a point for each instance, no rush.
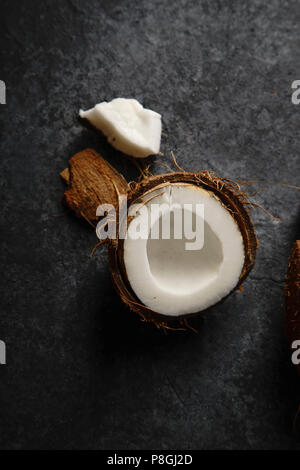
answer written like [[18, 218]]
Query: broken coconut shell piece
[[292, 296], [91, 181], [160, 280], [128, 126]]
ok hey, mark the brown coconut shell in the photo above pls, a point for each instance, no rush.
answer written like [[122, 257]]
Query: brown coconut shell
[[292, 296], [91, 181], [230, 196]]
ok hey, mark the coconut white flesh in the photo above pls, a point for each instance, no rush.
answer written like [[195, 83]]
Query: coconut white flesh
[[172, 280], [128, 126]]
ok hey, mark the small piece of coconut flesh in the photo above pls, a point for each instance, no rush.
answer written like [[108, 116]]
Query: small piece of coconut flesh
[[165, 275], [128, 126]]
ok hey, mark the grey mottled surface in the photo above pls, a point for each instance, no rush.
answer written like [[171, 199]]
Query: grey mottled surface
[[82, 371]]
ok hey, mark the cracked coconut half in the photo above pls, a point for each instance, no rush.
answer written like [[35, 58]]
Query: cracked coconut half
[[167, 279], [176, 275]]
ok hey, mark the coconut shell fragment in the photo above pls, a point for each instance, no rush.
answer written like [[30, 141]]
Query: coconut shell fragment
[[91, 181], [292, 296]]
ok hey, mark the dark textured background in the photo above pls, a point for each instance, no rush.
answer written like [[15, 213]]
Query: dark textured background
[[82, 371]]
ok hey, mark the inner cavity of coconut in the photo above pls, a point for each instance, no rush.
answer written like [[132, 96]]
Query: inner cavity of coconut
[[168, 275], [181, 271]]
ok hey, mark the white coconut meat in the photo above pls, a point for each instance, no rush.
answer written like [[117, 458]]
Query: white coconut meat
[[128, 126], [166, 274]]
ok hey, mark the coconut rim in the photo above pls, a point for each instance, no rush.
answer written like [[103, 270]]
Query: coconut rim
[[232, 199]]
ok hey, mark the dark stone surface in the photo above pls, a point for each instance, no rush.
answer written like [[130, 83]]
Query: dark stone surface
[[82, 371]]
